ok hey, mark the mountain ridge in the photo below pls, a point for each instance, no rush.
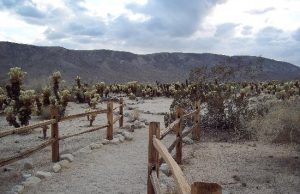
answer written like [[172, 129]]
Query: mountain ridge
[[122, 66]]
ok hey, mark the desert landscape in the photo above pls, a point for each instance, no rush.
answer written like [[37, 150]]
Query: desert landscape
[[149, 96]]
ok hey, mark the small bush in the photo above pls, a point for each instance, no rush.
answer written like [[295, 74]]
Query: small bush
[[281, 124]]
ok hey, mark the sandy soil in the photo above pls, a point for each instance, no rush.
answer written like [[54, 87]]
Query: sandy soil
[[244, 167]]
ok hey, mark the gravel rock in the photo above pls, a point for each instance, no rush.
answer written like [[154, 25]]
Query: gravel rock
[[128, 136], [68, 157], [28, 165], [187, 141], [64, 163], [42, 174], [56, 167], [18, 189], [105, 141], [94, 146], [26, 175], [126, 114], [31, 181], [115, 141]]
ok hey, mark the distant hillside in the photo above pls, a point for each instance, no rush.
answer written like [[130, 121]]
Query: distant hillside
[[116, 66]]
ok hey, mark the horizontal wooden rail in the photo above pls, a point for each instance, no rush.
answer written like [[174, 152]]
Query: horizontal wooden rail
[[25, 154], [181, 182], [26, 128], [75, 116], [116, 107], [184, 134], [155, 182], [87, 131], [190, 113], [169, 128], [117, 118]]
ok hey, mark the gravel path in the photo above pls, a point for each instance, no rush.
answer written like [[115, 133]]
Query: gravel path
[[112, 169]]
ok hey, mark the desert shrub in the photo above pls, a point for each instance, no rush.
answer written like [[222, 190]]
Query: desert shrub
[[135, 115], [280, 124]]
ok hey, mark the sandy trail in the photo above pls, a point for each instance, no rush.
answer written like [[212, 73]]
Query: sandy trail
[[112, 169]]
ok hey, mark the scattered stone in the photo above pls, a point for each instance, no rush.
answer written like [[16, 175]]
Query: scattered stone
[[128, 136], [271, 156], [127, 127], [68, 157], [64, 163], [146, 123], [56, 167], [138, 125], [42, 174], [105, 142], [26, 175], [187, 141], [31, 181], [94, 146], [18, 189], [121, 138], [126, 114], [28, 165], [17, 141], [115, 141], [165, 169], [244, 184], [85, 150]]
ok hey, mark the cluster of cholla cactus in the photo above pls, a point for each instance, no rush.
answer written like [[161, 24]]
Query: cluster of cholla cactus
[[18, 102]]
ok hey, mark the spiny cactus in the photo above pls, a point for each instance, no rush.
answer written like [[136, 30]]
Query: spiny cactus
[[56, 78], [27, 98]]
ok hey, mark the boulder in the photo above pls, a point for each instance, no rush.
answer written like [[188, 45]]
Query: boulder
[[128, 136], [28, 165], [68, 157], [56, 167], [64, 163], [31, 181], [94, 146], [42, 174]]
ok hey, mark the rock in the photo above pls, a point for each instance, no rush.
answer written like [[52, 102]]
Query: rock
[[121, 138], [105, 142], [85, 150], [26, 175], [187, 141], [138, 125], [236, 178], [127, 127], [28, 165], [128, 136], [31, 181], [56, 167], [126, 114], [244, 184], [94, 146], [165, 169], [42, 174], [146, 123], [64, 163], [115, 141], [68, 157], [17, 141], [18, 189]]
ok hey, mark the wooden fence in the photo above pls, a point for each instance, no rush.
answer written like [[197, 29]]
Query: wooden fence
[[55, 137], [156, 149]]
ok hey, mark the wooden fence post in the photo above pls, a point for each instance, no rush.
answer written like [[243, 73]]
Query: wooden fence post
[[179, 115], [109, 132], [121, 112], [206, 188], [153, 155], [54, 111], [197, 129]]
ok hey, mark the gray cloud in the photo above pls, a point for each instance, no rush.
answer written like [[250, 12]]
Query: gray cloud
[[261, 11], [296, 34], [174, 17], [247, 30], [268, 35], [225, 30]]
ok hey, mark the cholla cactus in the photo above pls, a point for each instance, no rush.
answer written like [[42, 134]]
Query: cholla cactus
[[56, 78], [65, 94], [27, 98], [16, 75], [78, 81], [46, 96], [10, 115]]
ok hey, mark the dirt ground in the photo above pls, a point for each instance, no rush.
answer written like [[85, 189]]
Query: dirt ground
[[240, 167]]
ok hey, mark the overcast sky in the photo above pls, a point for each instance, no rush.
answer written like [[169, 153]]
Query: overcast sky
[[268, 28]]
